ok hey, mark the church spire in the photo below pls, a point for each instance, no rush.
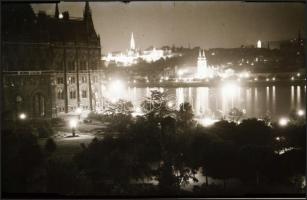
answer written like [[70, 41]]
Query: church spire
[[56, 12], [87, 14], [199, 53], [204, 56], [132, 43]]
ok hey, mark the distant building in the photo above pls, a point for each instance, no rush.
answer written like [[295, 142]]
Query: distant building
[[133, 55], [50, 64], [202, 66], [258, 44]]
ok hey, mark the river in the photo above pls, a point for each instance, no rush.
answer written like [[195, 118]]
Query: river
[[215, 102]]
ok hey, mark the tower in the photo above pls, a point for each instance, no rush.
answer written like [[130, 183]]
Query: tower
[[87, 14], [202, 67], [258, 44], [87, 18], [132, 43], [56, 12]]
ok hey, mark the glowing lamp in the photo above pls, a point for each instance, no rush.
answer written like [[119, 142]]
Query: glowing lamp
[[283, 121], [22, 116], [79, 110], [300, 113], [73, 123]]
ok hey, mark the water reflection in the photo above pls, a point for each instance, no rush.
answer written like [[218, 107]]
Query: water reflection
[[216, 102], [298, 96], [292, 97], [256, 101], [274, 99]]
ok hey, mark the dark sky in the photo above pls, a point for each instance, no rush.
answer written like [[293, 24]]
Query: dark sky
[[204, 24]]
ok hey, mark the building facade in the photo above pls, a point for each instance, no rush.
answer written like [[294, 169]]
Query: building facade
[[50, 64], [133, 55]]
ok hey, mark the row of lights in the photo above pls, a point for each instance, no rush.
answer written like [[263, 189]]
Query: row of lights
[[207, 80]]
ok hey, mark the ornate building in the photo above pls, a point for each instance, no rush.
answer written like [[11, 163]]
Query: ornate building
[[50, 64], [133, 55], [203, 70]]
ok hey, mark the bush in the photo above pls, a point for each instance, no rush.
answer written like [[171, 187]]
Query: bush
[[57, 121], [44, 128], [50, 146], [94, 116]]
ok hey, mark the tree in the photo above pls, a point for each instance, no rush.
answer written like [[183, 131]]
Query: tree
[[254, 160], [185, 117], [50, 146], [155, 107], [61, 177], [223, 163], [235, 114], [121, 106], [254, 132], [22, 157], [121, 117]]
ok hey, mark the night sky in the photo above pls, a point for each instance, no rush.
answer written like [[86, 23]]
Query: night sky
[[204, 24]]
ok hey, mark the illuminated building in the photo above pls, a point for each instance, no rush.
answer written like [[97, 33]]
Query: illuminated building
[[259, 44], [133, 55], [203, 70], [50, 64]]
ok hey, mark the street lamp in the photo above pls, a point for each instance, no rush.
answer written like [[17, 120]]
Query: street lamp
[[283, 121], [73, 125], [300, 113], [22, 116], [79, 111]]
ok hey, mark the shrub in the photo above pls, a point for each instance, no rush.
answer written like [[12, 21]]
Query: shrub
[[50, 146], [57, 121], [44, 128], [93, 116]]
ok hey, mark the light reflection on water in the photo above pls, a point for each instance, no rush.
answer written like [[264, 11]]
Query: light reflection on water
[[216, 102]]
